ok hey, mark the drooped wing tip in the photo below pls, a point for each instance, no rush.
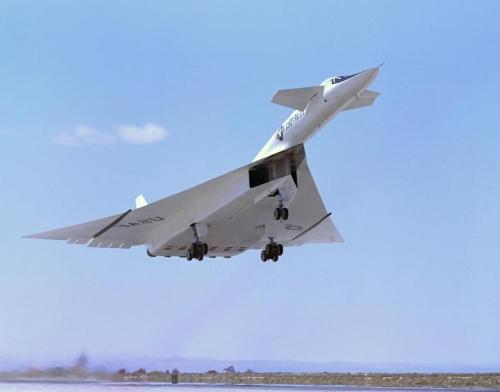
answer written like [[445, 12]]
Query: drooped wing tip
[[34, 235], [38, 236]]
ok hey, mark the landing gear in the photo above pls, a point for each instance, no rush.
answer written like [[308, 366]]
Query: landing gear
[[281, 213], [197, 251], [272, 252]]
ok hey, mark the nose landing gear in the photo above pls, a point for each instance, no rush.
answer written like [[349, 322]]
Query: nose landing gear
[[281, 213]]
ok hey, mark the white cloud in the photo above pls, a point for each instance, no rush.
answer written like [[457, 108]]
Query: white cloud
[[83, 136], [149, 133]]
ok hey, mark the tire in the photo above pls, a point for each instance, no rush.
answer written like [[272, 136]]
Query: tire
[[280, 250], [263, 256], [275, 257], [268, 249], [284, 214], [277, 213], [200, 257], [205, 249], [189, 255]]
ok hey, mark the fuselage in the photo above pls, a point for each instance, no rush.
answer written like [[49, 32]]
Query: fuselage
[[300, 126]]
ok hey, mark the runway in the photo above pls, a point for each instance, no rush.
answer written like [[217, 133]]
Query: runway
[[140, 387]]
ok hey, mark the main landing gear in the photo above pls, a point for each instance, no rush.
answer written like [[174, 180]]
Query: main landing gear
[[197, 250], [273, 251], [281, 213]]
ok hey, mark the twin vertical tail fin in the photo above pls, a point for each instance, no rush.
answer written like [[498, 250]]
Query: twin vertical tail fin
[[140, 201]]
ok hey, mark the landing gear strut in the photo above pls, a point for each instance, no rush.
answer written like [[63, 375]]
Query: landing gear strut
[[272, 252], [197, 250]]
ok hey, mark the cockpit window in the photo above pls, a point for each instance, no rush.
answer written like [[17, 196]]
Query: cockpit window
[[338, 79]]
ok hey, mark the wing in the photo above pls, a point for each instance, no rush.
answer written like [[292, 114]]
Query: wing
[[90, 233], [309, 219], [235, 212], [158, 223]]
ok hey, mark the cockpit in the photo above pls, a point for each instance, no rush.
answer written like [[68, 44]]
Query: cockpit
[[339, 79]]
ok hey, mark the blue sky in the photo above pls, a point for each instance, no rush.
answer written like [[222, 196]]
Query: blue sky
[[413, 182]]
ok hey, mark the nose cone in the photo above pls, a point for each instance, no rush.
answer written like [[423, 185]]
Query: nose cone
[[354, 84], [365, 78], [357, 83]]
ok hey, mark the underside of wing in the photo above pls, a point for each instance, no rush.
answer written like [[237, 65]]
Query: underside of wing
[[309, 218], [101, 233], [90, 233], [171, 220], [231, 214], [308, 221]]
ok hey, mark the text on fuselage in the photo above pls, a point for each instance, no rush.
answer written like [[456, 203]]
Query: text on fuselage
[[280, 133]]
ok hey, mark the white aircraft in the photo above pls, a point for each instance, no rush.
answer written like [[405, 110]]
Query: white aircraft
[[268, 204]]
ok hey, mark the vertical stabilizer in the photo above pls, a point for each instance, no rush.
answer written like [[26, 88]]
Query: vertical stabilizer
[[140, 201]]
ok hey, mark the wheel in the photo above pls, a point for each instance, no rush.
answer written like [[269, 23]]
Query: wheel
[[280, 249], [263, 256], [189, 255], [277, 213], [284, 214], [200, 256], [275, 249], [275, 257], [268, 249], [192, 248], [205, 249]]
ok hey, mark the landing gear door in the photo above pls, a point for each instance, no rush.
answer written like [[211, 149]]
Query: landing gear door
[[287, 192]]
